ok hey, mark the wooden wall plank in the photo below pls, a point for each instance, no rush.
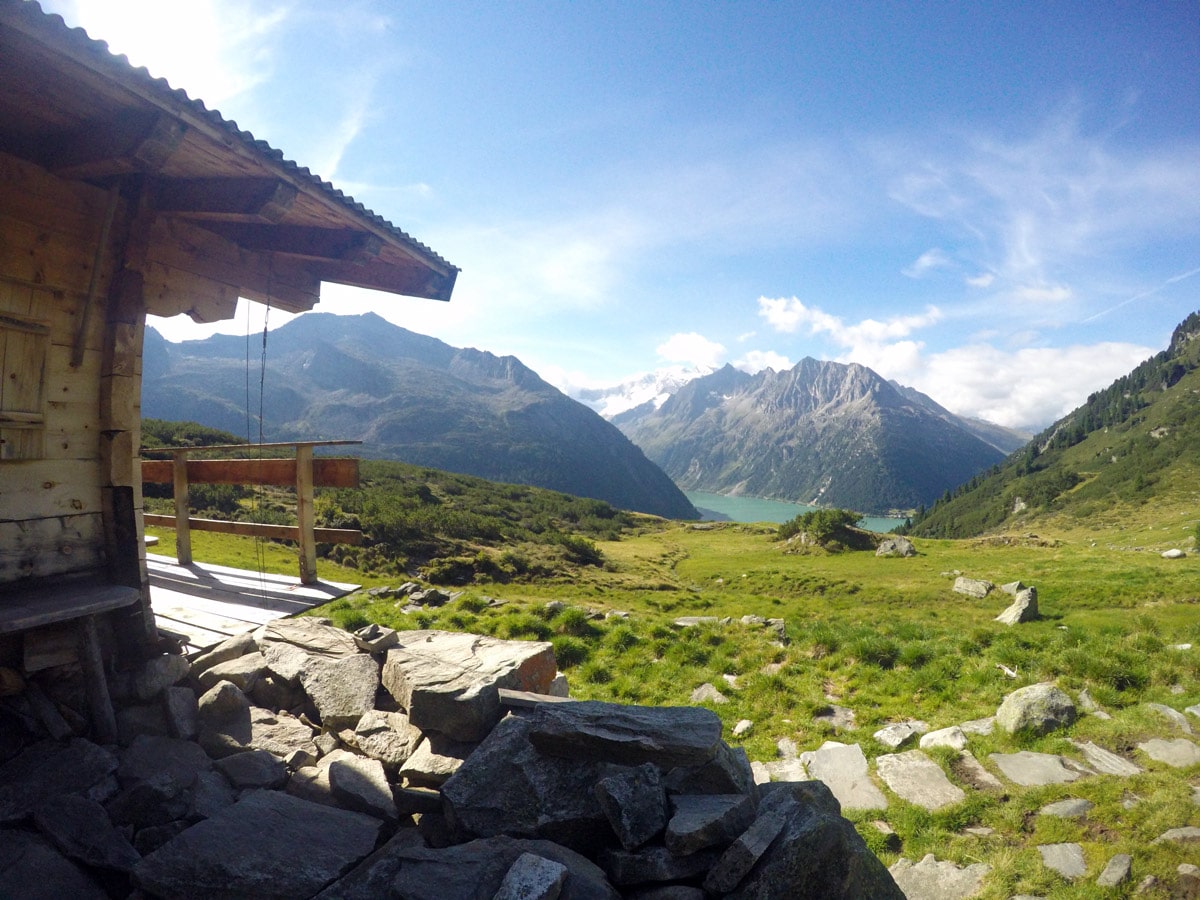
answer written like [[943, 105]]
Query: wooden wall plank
[[44, 488], [328, 471], [37, 548]]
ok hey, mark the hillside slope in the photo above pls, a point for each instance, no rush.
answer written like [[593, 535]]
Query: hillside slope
[[1133, 443], [822, 433], [407, 397]]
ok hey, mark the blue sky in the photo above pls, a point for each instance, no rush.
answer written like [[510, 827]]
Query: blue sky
[[996, 203]]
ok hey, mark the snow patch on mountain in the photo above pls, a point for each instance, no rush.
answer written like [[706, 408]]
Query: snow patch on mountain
[[652, 387]]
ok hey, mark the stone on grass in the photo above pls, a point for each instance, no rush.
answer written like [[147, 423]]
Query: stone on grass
[[918, 779], [1036, 709], [971, 770], [972, 587], [1023, 609], [933, 879], [635, 804], [268, 844], [898, 734], [836, 717], [844, 770], [1090, 706], [1106, 762], [1116, 871], [1189, 834], [983, 726], [1173, 553], [48, 769], [1030, 769], [1178, 753], [952, 737], [1065, 859], [742, 727], [1174, 716], [896, 546], [1072, 808], [707, 693]]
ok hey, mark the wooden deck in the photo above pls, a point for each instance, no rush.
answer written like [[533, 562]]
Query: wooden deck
[[203, 604]]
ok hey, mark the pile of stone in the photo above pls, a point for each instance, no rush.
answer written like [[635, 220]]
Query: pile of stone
[[305, 761]]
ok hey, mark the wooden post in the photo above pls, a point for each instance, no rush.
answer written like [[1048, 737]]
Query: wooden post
[[183, 535], [305, 515], [104, 722]]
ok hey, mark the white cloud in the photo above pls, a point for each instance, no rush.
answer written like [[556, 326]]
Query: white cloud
[[982, 280], [693, 349], [931, 259], [788, 315], [757, 360]]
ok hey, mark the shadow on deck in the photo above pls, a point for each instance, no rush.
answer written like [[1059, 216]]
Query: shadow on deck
[[203, 604]]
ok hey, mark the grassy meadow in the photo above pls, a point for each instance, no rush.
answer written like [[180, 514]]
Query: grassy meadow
[[885, 637]]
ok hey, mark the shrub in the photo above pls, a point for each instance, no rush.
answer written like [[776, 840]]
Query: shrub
[[569, 651]]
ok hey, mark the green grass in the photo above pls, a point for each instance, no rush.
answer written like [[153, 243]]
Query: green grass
[[889, 639]]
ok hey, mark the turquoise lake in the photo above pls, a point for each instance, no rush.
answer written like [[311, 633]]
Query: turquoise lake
[[752, 509]]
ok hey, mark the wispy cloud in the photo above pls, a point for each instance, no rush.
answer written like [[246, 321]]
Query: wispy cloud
[[931, 259]]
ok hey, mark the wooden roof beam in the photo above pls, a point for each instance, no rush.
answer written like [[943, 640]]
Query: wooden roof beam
[[413, 281], [338, 244], [127, 143], [226, 199]]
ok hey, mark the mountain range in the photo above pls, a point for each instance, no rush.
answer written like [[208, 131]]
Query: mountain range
[[821, 433], [406, 397], [1129, 446]]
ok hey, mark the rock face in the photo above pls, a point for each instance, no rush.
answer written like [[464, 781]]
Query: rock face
[[1037, 709]]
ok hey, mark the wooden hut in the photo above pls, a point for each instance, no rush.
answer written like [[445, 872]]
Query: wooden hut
[[120, 196]]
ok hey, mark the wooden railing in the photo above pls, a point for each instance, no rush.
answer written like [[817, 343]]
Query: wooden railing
[[304, 472]]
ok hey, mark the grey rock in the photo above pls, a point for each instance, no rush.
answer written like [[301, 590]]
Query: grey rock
[[230, 648], [559, 687], [286, 661], [1036, 709], [844, 769], [1030, 769], [176, 761], [386, 736], [311, 783], [435, 759], [1013, 587], [373, 877], [508, 787], [376, 638], [933, 879], [341, 689], [1106, 762], [654, 864], [532, 877], [267, 845], [1178, 753], [1187, 883], [631, 735], [81, 830], [273, 692], [156, 675], [1072, 808], [971, 770], [707, 693], [817, 854], [898, 734], [1174, 716], [1090, 706], [224, 710], [309, 635], [745, 852], [983, 726], [742, 727], [780, 770], [1173, 553], [361, 785], [635, 803], [972, 587], [952, 737], [438, 695], [253, 769], [244, 672], [48, 769], [1189, 834], [1023, 609], [141, 718], [836, 717], [279, 734], [28, 861], [1193, 710], [701, 821], [728, 772], [182, 713], [918, 779], [475, 870], [1065, 859], [211, 793], [667, 892], [513, 665], [1116, 871], [896, 546], [694, 621], [156, 801]]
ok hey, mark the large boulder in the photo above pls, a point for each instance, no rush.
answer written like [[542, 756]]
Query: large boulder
[[1023, 609], [972, 587], [665, 736], [1036, 709], [48, 769], [896, 546]]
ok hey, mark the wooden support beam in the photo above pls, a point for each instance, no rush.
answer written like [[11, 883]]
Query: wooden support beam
[[230, 199], [327, 471], [118, 145], [259, 529], [104, 721], [305, 515], [412, 281], [183, 537], [338, 244]]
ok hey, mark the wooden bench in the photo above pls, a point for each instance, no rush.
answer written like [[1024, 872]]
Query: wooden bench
[[77, 600]]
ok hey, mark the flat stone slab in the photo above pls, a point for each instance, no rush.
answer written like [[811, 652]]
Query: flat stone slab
[[1178, 753], [631, 735], [843, 768], [1073, 808], [1116, 871], [48, 769], [268, 844], [1174, 716], [1030, 769], [1065, 859], [933, 879], [1105, 761], [971, 770], [918, 779], [898, 734], [1189, 834], [952, 737]]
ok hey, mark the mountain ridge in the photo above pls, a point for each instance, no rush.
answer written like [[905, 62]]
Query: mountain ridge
[[408, 397]]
